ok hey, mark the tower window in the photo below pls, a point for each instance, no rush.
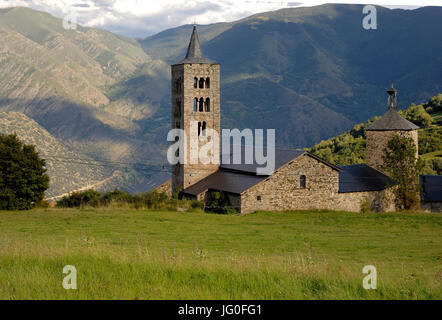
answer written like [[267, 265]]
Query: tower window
[[207, 105], [201, 107], [199, 129], [208, 83], [201, 83], [195, 105], [195, 82], [302, 181], [203, 129], [178, 108], [178, 85]]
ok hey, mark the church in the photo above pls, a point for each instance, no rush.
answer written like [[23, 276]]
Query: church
[[300, 180]]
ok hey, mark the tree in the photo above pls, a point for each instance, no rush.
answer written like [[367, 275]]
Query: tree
[[23, 178], [401, 163], [417, 115]]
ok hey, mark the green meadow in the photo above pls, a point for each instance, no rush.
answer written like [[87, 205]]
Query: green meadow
[[137, 254]]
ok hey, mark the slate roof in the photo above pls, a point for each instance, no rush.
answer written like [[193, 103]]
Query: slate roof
[[361, 177], [282, 156], [392, 120], [431, 188], [225, 180], [237, 178], [194, 51], [157, 180]]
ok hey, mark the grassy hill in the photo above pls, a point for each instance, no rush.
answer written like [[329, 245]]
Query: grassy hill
[[128, 254], [349, 147]]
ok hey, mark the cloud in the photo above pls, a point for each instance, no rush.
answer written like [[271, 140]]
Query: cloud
[[140, 18]]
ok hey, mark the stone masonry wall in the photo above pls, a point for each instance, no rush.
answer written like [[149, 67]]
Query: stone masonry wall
[[282, 191], [377, 142], [166, 187], [185, 175]]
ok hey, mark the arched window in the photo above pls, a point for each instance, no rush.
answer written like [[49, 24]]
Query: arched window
[[208, 83], [207, 105], [178, 83], [203, 128], [178, 108], [199, 128], [177, 152], [201, 83], [302, 181], [195, 82], [195, 105], [201, 108]]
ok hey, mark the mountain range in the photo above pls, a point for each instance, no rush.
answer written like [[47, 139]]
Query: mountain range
[[311, 73]]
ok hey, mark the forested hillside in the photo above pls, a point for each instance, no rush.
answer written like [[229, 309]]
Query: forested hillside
[[349, 147]]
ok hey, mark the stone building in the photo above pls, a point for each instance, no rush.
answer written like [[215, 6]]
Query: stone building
[[300, 179]]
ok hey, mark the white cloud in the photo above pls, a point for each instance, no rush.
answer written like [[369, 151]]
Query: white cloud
[[140, 18]]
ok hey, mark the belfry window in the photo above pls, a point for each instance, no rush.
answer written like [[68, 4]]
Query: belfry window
[[208, 83], [203, 129], [201, 83], [195, 82], [195, 105], [207, 105], [178, 108], [302, 181], [201, 106], [178, 85]]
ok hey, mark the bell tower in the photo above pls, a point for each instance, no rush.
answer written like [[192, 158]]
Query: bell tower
[[382, 130], [196, 102]]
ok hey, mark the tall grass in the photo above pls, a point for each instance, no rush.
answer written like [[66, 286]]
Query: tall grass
[[127, 254]]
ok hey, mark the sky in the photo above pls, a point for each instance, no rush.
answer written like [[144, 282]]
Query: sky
[[141, 18]]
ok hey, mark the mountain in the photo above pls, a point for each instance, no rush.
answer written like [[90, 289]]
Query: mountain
[[314, 72], [311, 73], [67, 81]]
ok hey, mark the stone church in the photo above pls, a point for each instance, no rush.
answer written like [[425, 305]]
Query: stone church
[[300, 180]]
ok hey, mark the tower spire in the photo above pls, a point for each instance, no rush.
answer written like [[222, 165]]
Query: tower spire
[[194, 52], [194, 49], [392, 98]]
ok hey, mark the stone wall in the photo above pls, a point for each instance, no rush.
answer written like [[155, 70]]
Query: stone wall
[[377, 142], [184, 175], [432, 206], [282, 191], [166, 187]]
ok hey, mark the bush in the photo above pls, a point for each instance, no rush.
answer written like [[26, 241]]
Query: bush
[[80, 199], [23, 178], [219, 203], [118, 198]]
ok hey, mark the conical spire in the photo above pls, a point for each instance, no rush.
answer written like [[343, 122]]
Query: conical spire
[[194, 52], [194, 49]]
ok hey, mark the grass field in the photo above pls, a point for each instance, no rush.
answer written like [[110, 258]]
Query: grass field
[[129, 254]]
